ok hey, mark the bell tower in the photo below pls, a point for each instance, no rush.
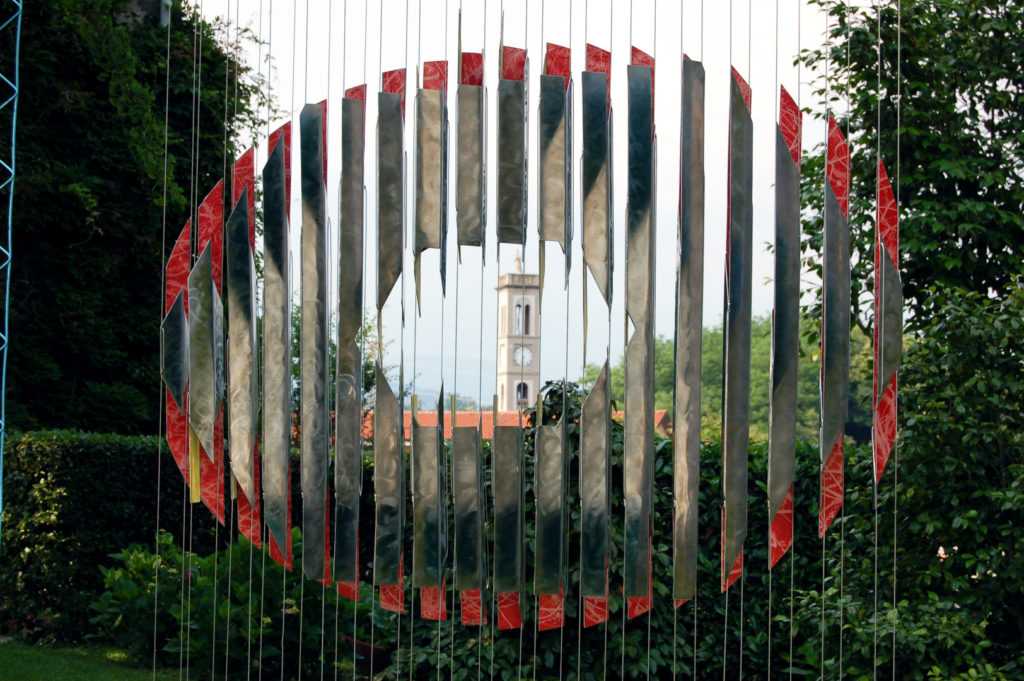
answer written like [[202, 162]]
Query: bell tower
[[518, 339]]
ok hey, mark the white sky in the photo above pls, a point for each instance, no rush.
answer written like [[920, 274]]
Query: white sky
[[329, 42]]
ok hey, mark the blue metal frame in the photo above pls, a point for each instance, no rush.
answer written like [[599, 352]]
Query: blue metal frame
[[10, 83]]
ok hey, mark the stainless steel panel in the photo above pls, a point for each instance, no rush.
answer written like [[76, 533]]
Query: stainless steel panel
[[205, 345], [555, 188], [429, 130], [388, 482], [277, 349], [549, 491], [174, 350], [597, 182], [689, 326], [507, 475], [736, 416], [639, 378], [390, 194], [241, 294], [468, 490], [835, 354], [470, 190], [785, 328], [313, 343], [595, 470], [429, 539], [890, 330], [348, 464], [511, 161]]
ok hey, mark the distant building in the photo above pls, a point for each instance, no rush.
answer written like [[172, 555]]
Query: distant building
[[518, 339]]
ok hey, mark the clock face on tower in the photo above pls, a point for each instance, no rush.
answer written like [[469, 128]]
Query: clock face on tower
[[522, 356]]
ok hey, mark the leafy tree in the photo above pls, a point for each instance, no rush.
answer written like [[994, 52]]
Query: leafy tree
[[85, 287], [961, 169]]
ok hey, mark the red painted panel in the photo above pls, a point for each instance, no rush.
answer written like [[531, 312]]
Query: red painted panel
[[435, 75], [595, 610], [831, 487], [780, 534], [744, 88], [433, 603], [838, 166], [243, 176], [513, 63], [509, 614], [473, 611], [472, 72], [558, 62], [284, 133], [211, 229], [790, 124]]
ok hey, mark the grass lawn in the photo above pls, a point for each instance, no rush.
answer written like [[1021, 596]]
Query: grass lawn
[[19, 662]]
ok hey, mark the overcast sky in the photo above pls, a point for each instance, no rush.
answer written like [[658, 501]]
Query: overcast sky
[[317, 49]]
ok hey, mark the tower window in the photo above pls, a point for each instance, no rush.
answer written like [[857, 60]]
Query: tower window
[[526, 322], [517, 322], [522, 392]]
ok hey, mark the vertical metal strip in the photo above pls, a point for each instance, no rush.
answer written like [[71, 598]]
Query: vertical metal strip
[[176, 403], [597, 179], [390, 194], [470, 188], [689, 331], [512, 161], [348, 463], [430, 170], [507, 474], [204, 305], [736, 401], [835, 344], [429, 540], [277, 351], [550, 500], [389, 483], [555, 191], [313, 364], [639, 431], [241, 299], [594, 488], [888, 323], [785, 332], [468, 493], [595, 469]]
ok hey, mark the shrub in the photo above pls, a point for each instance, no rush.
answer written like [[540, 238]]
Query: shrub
[[71, 499]]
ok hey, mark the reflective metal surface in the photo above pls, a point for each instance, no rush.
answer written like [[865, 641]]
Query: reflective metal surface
[[470, 195], [507, 472], [348, 465], [594, 488], [241, 295], [429, 539], [835, 354], [511, 161], [785, 328], [549, 489], [689, 325], [890, 332], [205, 345], [174, 350], [597, 182], [555, 146], [277, 349], [313, 343], [390, 193], [736, 413], [468, 492], [429, 124], [388, 482], [638, 441]]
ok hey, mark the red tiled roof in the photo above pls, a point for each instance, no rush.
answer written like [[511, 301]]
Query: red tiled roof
[[463, 418], [662, 421]]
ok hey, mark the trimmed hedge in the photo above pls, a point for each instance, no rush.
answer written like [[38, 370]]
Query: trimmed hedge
[[71, 500]]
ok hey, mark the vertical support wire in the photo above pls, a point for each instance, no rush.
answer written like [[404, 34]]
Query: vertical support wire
[[5, 267], [824, 189], [895, 460], [776, 111]]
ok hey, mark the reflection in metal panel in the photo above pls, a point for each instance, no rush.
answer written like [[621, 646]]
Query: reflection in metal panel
[[689, 321], [470, 190], [511, 162]]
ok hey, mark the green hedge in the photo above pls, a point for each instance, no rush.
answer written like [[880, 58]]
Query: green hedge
[[71, 500]]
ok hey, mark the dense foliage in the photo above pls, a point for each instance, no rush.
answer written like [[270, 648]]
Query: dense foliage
[[85, 283], [71, 499]]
